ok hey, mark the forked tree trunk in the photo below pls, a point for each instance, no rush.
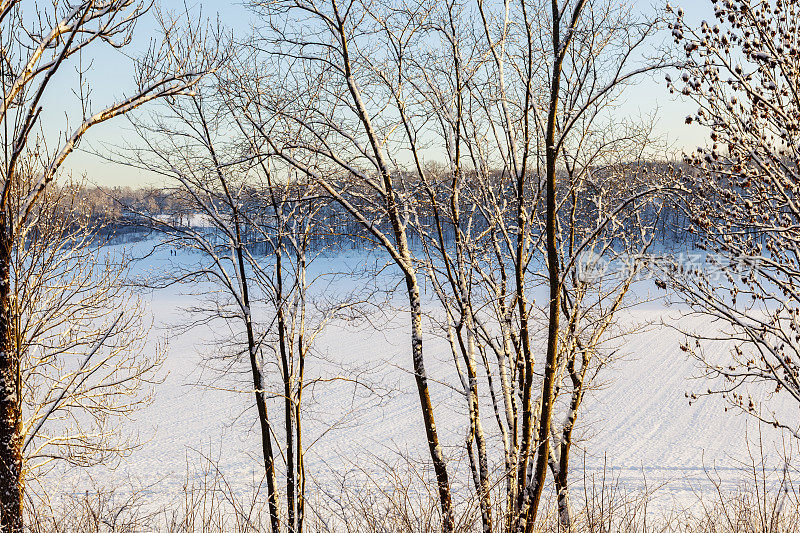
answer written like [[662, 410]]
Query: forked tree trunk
[[11, 482], [536, 484]]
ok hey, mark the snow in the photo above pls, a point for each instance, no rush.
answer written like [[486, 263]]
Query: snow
[[365, 407]]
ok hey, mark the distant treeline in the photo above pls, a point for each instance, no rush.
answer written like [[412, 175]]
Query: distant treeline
[[127, 213]]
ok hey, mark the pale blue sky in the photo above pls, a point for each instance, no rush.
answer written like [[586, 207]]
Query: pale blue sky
[[111, 78]]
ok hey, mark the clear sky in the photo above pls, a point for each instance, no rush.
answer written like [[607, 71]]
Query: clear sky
[[111, 78]]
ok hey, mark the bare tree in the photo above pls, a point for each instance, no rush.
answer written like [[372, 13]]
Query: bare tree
[[614, 230], [325, 128], [251, 237], [591, 51], [35, 46], [741, 71], [362, 94], [485, 228], [79, 338]]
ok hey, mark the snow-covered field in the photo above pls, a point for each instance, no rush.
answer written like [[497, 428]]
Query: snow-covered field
[[639, 424]]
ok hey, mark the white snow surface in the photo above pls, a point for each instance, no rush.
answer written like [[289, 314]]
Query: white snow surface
[[639, 425]]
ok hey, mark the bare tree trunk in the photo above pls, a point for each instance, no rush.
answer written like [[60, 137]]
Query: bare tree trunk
[[11, 483], [255, 367], [266, 438], [437, 457], [415, 302], [536, 484], [261, 404], [287, 391], [483, 489], [301, 354], [480, 468], [456, 275], [525, 376], [561, 472], [543, 440], [301, 475]]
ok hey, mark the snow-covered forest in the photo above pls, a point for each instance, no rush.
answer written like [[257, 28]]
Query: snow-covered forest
[[409, 265]]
